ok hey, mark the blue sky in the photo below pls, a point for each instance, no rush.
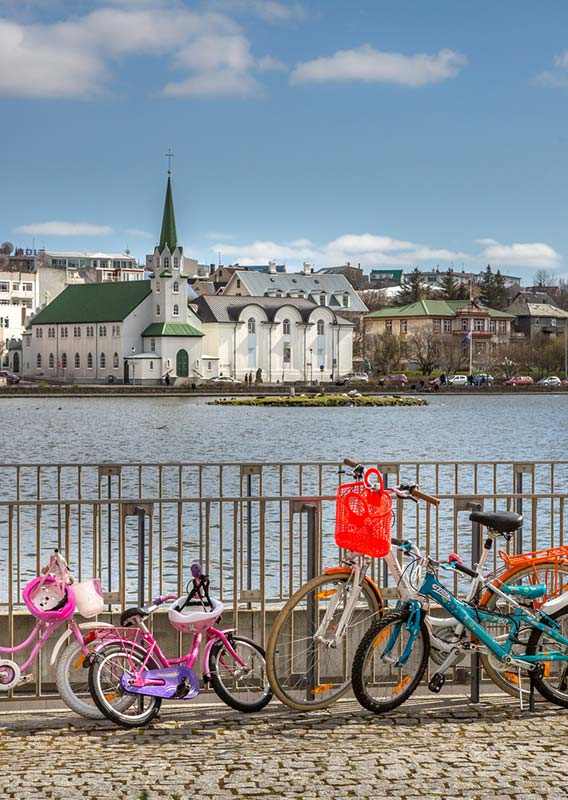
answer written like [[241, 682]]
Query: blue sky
[[385, 133]]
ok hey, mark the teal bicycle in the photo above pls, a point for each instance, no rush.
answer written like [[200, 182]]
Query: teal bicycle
[[393, 654]]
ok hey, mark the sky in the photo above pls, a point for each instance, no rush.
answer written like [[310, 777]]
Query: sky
[[395, 133]]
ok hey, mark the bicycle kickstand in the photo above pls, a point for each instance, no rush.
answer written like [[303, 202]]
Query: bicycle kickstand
[[531, 692]]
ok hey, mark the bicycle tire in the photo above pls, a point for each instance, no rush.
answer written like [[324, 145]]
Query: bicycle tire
[[72, 680], [248, 690], [549, 572], [101, 667], [307, 676], [555, 672], [373, 674]]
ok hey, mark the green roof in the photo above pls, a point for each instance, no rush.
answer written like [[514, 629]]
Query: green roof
[[171, 329], [165, 273], [94, 302], [168, 236], [432, 308]]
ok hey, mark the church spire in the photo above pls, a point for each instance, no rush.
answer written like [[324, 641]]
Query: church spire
[[168, 236]]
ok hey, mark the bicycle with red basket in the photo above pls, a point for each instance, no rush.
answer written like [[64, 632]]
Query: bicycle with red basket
[[316, 634], [130, 675]]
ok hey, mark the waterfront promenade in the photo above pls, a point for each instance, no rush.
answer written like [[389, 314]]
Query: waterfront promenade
[[433, 747]]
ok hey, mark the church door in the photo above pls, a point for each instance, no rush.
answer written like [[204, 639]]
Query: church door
[[182, 364], [16, 367]]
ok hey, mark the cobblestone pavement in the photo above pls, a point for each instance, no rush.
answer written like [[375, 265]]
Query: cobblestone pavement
[[437, 748]]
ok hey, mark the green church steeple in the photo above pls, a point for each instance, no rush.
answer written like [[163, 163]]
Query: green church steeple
[[168, 236]]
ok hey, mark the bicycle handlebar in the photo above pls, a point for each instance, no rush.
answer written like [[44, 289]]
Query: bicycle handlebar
[[428, 498]]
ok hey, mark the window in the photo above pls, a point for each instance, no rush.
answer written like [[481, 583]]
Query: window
[[176, 263], [251, 326], [151, 365], [157, 286], [478, 325], [251, 344], [437, 325], [157, 311], [345, 300], [403, 326], [287, 354], [64, 333], [38, 361], [103, 361], [77, 361], [89, 360], [553, 322], [286, 327], [51, 361], [28, 341], [536, 321], [166, 262], [118, 330], [447, 326], [64, 360], [175, 287], [238, 283], [465, 324], [502, 326], [115, 362], [39, 333], [15, 287], [4, 286], [492, 326], [175, 310], [388, 325], [152, 345], [77, 332], [320, 327], [102, 330], [323, 299], [28, 287]]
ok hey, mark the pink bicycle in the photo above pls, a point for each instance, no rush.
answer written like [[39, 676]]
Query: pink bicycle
[[129, 674], [53, 598]]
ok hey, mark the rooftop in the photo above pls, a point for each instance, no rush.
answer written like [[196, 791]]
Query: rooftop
[[94, 302]]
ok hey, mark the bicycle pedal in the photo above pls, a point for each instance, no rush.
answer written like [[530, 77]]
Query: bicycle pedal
[[436, 682], [182, 689]]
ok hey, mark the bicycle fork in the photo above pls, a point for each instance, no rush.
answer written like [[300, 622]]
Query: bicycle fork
[[355, 582]]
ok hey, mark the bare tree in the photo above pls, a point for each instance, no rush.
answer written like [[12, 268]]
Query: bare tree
[[423, 349], [383, 351], [544, 278], [451, 355]]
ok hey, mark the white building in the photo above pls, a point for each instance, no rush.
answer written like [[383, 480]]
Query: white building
[[288, 339], [127, 331]]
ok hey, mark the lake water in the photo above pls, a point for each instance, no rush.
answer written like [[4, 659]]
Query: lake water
[[117, 429], [175, 429]]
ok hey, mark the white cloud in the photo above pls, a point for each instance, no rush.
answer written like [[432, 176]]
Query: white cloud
[[74, 58], [367, 64], [273, 11], [138, 233], [521, 254], [55, 228], [268, 63], [557, 77], [366, 249]]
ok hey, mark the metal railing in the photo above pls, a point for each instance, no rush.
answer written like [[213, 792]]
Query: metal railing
[[257, 545]]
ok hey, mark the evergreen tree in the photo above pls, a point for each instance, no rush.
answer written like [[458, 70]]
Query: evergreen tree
[[500, 298], [452, 289], [493, 292], [413, 288]]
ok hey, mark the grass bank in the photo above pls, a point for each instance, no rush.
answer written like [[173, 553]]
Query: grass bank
[[327, 400]]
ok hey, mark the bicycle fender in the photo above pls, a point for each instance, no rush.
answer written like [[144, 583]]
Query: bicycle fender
[[369, 581], [207, 652], [84, 626], [555, 604]]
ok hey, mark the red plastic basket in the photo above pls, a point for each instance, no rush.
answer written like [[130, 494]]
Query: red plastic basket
[[363, 516]]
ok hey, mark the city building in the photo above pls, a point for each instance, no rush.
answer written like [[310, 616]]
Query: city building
[[127, 331], [288, 339], [332, 291], [455, 319], [535, 315]]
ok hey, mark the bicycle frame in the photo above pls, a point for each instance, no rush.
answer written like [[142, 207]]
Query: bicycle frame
[[465, 614], [43, 630]]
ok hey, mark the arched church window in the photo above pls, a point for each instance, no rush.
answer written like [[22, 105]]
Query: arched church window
[[251, 326], [320, 327], [89, 361], [51, 361], [157, 311], [157, 286], [176, 263], [166, 262], [38, 360], [175, 310], [77, 361], [115, 361], [286, 327], [175, 287], [64, 360], [103, 361]]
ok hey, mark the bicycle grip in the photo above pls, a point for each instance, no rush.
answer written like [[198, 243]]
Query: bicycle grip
[[399, 542], [350, 463], [466, 570], [428, 498]]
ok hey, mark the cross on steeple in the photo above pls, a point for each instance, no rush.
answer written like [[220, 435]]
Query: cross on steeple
[[169, 156]]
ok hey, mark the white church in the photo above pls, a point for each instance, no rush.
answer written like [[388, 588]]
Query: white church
[[145, 332]]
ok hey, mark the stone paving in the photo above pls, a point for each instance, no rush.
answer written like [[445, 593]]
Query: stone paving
[[431, 748]]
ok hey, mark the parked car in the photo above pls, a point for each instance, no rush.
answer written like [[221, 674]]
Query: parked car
[[458, 380], [482, 378], [352, 377], [519, 380], [10, 377], [551, 380], [223, 379], [394, 380]]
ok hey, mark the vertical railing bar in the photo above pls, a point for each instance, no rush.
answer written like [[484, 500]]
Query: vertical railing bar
[[79, 520], [160, 534], [58, 473], [281, 532], [262, 566], [236, 578], [18, 528], [221, 533]]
